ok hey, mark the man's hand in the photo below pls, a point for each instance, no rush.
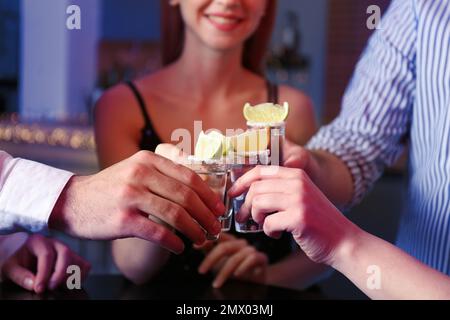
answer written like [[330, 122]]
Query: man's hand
[[116, 203], [296, 206], [41, 263]]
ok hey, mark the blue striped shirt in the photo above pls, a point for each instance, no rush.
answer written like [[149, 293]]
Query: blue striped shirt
[[401, 92]]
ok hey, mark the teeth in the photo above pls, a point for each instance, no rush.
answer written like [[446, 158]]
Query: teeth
[[223, 20]]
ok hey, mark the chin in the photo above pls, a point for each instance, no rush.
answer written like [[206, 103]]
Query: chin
[[223, 44]]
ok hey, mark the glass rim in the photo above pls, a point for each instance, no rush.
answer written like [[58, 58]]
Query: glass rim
[[266, 124], [194, 160], [205, 166], [250, 153]]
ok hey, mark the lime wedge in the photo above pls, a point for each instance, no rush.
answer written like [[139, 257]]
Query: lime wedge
[[209, 146], [266, 112], [251, 141]]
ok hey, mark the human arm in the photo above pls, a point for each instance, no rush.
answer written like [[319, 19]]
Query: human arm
[[328, 237], [346, 157]]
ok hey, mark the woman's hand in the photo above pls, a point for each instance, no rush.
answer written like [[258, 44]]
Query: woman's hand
[[231, 257], [41, 263], [296, 206]]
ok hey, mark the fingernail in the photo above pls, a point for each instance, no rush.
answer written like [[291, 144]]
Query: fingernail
[[216, 284], [28, 283], [220, 208], [201, 270]]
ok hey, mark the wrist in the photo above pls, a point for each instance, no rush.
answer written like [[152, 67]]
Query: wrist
[[64, 209], [347, 250]]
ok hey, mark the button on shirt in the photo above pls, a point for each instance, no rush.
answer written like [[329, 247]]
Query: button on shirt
[[401, 89]]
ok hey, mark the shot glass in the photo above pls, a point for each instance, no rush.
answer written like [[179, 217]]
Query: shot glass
[[227, 218], [239, 165], [215, 174]]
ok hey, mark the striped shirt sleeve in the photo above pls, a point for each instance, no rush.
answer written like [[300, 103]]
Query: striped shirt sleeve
[[377, 105]]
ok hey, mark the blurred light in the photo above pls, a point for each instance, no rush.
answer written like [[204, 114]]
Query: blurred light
[[64, 136]]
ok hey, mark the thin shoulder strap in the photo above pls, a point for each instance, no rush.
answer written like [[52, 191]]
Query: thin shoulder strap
[[140, 102], [272, 92]]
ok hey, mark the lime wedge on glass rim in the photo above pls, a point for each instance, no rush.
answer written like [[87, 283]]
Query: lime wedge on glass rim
[[210, 146], [266, 112]]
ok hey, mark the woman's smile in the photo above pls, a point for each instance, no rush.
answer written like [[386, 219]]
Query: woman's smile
[[223, 21]]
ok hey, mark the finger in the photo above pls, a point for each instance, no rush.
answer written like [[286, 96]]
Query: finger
[[192, 180], [276, 224], [259, 188], [185, 197], [231, 265], [19, 275], [261, 173], [266, 204], [45, 254], [176, 216], [141, 227], [251, 262], [221, 250], [64, 258], [171, 152]]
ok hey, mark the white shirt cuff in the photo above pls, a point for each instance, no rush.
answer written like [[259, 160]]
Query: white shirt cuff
[[29, 193]]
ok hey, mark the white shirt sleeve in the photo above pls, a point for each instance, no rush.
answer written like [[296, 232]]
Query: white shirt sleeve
[[28, 193]]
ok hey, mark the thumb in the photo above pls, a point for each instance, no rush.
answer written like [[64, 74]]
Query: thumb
[[20, 276]]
